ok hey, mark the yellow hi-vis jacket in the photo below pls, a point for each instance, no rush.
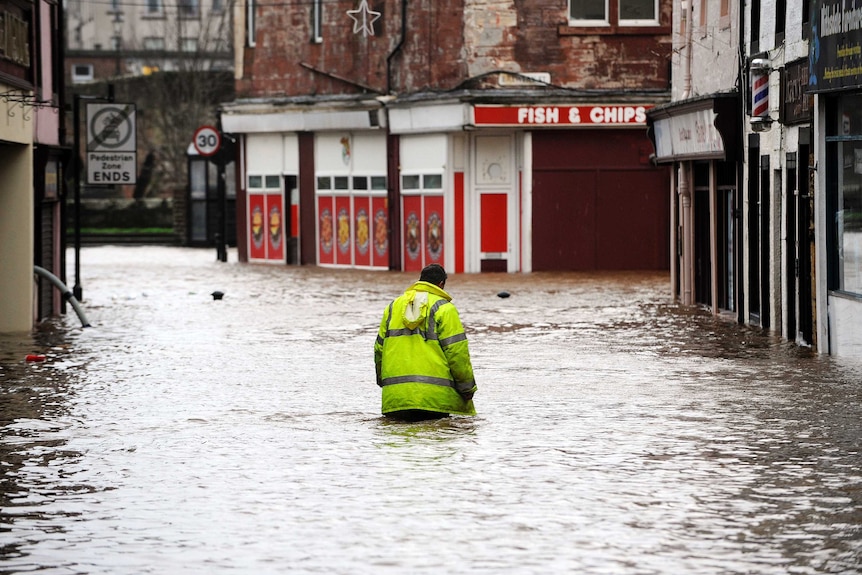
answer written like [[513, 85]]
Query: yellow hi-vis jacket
[[421, 354]]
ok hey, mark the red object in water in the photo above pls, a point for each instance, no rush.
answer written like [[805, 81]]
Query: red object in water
[[35, 357]]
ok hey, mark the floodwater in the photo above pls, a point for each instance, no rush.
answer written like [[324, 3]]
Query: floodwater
[[618, 433]]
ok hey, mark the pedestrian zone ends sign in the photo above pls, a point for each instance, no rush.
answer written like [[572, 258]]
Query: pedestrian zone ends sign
[[111, 144]]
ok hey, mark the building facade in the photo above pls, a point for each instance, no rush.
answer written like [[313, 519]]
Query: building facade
[[483, 135], [112, 39], [31, 162], [699, 135], [778, 208], [763, 131], [835, 77]]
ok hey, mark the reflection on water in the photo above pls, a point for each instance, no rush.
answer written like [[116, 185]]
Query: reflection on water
[[617, 432]]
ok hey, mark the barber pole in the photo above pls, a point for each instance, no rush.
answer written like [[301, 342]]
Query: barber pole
[[759, 92]]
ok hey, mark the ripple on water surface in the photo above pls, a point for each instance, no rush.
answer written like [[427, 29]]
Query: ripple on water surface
[[617, 432]]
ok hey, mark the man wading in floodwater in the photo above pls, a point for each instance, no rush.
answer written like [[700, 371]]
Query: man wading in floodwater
[[421, 353]]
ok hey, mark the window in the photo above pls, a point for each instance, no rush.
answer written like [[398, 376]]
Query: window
[[638, 12], [250, 23], [754, 43], [154, 7], [844, 196], [586, 12], [82, 73], [188, 8], [155, 44], [724, 15], [218, 5], [189, 45], [317, 21], [622, 13], [423, 182]]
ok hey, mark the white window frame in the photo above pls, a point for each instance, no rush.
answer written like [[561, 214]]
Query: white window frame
[[606, 21], [593, 22], [643, 22], [81, 78]]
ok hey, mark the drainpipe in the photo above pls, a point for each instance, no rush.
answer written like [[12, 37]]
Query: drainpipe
[[397, 48], [687, 271]]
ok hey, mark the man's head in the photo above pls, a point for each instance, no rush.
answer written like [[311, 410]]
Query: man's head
[[434, 274]]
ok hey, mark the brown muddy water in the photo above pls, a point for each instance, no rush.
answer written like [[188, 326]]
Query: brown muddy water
[[618, 433]]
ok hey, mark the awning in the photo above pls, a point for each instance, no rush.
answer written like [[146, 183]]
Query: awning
[[695, 129]]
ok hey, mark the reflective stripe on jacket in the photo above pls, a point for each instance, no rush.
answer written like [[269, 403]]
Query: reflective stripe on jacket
[[421, 354]]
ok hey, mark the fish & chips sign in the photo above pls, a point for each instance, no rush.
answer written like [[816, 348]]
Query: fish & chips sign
[[560, 115]]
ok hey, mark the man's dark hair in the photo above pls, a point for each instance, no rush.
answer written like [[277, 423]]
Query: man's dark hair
[[434, 274]]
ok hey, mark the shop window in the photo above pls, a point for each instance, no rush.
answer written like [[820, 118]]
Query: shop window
[[410, 182], [273, 182], [844, 201]]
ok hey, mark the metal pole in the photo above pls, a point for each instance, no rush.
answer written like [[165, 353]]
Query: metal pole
[[77, 290], [221, 240]]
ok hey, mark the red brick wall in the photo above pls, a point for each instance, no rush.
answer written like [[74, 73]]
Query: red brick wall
[[445, 44]]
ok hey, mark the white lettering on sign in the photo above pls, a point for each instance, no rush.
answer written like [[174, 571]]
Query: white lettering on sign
[[562, 115], [539, 115], [618, 115], [597, 115]]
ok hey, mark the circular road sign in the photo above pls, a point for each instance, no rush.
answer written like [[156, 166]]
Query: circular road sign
[[207, 140]]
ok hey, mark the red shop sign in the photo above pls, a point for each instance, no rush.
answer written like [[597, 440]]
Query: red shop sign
[[609, 115]]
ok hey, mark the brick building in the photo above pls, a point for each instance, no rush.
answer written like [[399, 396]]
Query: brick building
[[484, 135]]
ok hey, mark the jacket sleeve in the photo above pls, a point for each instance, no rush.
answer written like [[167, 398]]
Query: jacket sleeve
[[453, 341], [378, 347]]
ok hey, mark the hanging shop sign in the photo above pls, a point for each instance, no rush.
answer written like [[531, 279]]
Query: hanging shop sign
[[690, 135], [567, 116], [835, 49], [795, 98]]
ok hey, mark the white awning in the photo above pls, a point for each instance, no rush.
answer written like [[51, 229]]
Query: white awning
[[432, 118], [301, 121]]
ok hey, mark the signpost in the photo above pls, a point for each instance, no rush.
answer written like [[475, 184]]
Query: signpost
[[207, 142], [111, 144]]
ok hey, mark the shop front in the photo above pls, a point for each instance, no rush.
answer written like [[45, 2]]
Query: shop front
[[474, 187], [696, 137], [836, 79]]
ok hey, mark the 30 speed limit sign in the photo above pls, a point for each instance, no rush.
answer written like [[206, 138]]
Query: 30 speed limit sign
[[207, 140]]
